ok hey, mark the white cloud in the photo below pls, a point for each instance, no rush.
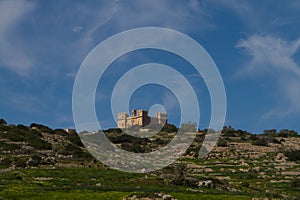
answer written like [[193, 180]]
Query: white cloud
[[11, 13], [273, 56], [79, 28], [98, 19], [12, 54], [294, 5], [245, 10], [266, 51], [262, 17], [291, 89], [177, 15], [121, 15]]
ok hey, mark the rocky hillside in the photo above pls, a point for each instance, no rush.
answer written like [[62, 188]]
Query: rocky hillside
[[22, 146], [241, 165], [33, 145]]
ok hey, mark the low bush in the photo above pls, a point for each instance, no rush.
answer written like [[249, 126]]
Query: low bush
[[3, 122], [169, 128], [74, 138], [222, 143], [9, 147], [60, 132], [20, 162], [293, 155], [5, 162], [41, 128], [295, 183], [75, 151], [260, 142]]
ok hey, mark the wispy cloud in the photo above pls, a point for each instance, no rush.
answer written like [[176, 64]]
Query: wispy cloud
[[179, 15], [266, 51], [61, 38], [12, 54], [273, 56], [116, 16], [263, 17]]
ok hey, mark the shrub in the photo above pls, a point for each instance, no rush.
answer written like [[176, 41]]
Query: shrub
[[21, 133], [113, 130], [275, 141], [180, 171], [60, 132], [260, 142], [75, 139], [35, 160], [222, 143], [4, 127], [293, 155], [231, 132], [22, 127], [169, 128], [271, 132], [254, 137], [5, 162], [41, 128], [9, 147], [3, 122], [70, 149], [20, 162], [40, 144], [18, 175], [13, 134], [36, 133], [295, 183], [75, 151], [287, 133], [245, 184]]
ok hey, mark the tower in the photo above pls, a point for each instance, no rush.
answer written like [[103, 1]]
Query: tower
[[133, 113], [161, 117], [122, 120]]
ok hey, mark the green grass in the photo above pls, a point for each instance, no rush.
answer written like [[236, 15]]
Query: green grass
[[182, 196], [103, 183], [111, 195], [64, 195]]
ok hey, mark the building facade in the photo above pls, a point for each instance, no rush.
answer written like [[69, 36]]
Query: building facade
[[140, 118]]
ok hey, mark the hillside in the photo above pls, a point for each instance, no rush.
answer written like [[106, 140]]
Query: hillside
[[37, 160], [23, 146]]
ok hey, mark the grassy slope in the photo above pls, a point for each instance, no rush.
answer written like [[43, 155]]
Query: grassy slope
[[81, 183]]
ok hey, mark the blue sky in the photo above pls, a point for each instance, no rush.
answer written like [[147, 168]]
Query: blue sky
[[255, 44]]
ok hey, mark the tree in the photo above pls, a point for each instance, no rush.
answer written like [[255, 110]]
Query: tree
[[5, 162], [287, 133], [271, 132], [293, 155], [222, 143], [295, 183], [260, 142], [3, 122], [41, 128], [181, 171], [169, 128]]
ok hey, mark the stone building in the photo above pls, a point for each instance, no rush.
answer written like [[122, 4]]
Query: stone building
[[140, 118]]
